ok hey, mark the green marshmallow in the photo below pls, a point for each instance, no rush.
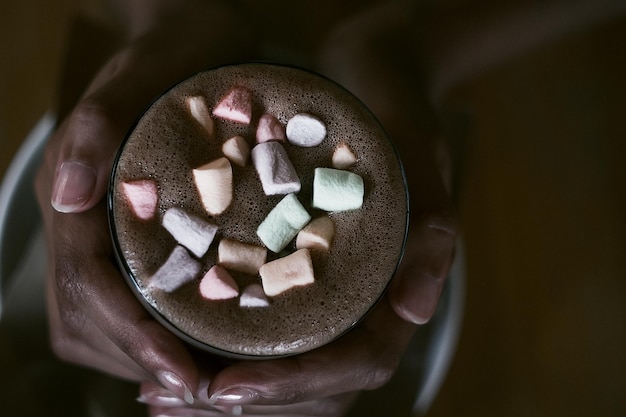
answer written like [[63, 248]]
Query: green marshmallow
[[337, 190], [283, 223]]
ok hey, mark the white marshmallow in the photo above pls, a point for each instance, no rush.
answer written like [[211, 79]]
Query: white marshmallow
[[179, 269], [270, 128], [253, 296], [306, 130], [343, 157], [218, 284], [237, 150], [283, 223], [275, 170], [193, 232], [200, 112], [337, 190], [235, 106], [317, 235], [290, 271], [240, 256], [142, 196], [214, 182]]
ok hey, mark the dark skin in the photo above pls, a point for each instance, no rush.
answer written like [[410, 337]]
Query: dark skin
[[96, 321]]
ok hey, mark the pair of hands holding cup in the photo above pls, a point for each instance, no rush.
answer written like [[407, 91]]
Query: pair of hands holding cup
[[96, 321]]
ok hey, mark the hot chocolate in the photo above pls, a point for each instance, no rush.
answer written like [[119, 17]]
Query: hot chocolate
[[198, 283]]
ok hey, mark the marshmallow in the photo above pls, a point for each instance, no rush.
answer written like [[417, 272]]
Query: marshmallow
[[253, 296], [193, 232], [237, 150], [275, 170], [317, 235], [306, 130], [142, 197], [239, 256], [200, 112], [343, 157], [337, 190], [235, 106], [217, 284], [179, 269], [283, 223], [270, 128], [284, 273], [214, 182]]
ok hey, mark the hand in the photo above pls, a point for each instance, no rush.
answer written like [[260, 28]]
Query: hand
[[324, 382], [95, 320], [359, 55], [113, 333]]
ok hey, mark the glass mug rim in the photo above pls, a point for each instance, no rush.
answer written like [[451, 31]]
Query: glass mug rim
[[132, 281]]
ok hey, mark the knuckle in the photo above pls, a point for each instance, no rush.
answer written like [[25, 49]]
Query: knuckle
[[69, 291], [142, 341], [382, 370], [91, 114]]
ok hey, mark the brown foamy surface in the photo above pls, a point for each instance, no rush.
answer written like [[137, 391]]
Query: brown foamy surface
[[167, 144]]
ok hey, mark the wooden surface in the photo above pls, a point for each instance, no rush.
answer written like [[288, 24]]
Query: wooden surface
[[542, 208], [541, 203]]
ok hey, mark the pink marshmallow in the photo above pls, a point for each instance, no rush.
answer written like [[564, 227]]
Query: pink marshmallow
[[217, 284], [142, 197], [235, 106], [270, 128]]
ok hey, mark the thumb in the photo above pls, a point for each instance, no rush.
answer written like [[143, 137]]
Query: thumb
[[124, 87], [97, 125]]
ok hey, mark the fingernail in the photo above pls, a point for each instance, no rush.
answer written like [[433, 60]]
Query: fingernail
[[175, 383], [420, 308], [202, 394], [160, 398], [412, 317], [73, 187], [233, 396]]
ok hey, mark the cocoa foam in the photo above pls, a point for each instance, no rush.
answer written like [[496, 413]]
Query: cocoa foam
[[166, 144]]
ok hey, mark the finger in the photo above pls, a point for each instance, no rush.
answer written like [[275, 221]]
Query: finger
[[90, 288], [388, 82], [91, 349], [429, 254], [97, 126], [157, 396], [100, 323], [335, 406], [364, 358], [124, 87]]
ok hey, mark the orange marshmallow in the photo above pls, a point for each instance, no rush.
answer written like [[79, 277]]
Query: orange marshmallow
[[284, 273], [200, 112], [214, 182], [239, 256], [317, 235], [237, 150]]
